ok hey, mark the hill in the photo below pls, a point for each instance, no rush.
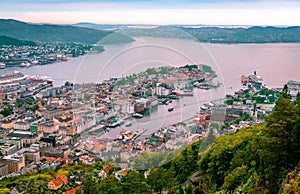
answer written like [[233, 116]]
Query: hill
[[5, 40], [254, 34], [47, 32]]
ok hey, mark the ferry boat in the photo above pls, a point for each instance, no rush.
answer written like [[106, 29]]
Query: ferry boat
[[2, 65], [41, 78]]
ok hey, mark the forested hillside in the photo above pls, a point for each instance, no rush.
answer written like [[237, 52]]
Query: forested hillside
[[5, 40], [226, 35]]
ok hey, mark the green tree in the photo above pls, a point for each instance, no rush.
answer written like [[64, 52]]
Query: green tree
[[110, 185], [89, 185], [157, 180], [134, 182], [7, 111], [285, 92]]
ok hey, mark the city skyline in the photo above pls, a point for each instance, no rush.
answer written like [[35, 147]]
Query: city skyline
[[158, 12]]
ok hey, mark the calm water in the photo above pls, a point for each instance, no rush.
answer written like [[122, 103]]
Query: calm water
[[276, 63]]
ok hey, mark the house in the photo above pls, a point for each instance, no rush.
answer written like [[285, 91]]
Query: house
[[120, 174], [73, 191], [103, 173], [58, 182]]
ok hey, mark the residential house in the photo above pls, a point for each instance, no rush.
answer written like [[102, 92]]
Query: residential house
[[58, 182], [121, 173], [103, 173]]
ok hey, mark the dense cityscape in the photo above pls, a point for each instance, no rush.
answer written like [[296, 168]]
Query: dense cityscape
[[40, 53], [149, 97], [43, 127]]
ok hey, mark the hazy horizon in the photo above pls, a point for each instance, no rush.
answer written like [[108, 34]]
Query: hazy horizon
[[145, 25], [157, 12]]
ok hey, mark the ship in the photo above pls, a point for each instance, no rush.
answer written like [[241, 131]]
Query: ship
[[2, 65], [37, 78], [252, 81], [12, 77]]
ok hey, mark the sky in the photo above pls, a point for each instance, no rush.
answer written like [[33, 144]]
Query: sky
[[161, 12]]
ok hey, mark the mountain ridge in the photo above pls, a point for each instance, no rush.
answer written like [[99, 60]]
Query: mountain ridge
[[49, 32]]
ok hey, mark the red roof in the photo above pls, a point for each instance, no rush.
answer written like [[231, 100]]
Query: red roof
[[204, 116], [63, 178], [73, 191], [57, 182], [107, 168]]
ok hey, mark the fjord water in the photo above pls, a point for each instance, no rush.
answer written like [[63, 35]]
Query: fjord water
[[276, 63]]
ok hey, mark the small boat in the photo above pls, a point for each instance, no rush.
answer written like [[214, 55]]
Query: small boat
[[113, 124], [170, 109], [2, 65], [203, 107], [137, 115], [128, 124], [27, 64]]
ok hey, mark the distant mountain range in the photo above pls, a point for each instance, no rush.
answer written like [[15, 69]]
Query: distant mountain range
[[93, 33], [100, 26], [48, 32], [254, 34]]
